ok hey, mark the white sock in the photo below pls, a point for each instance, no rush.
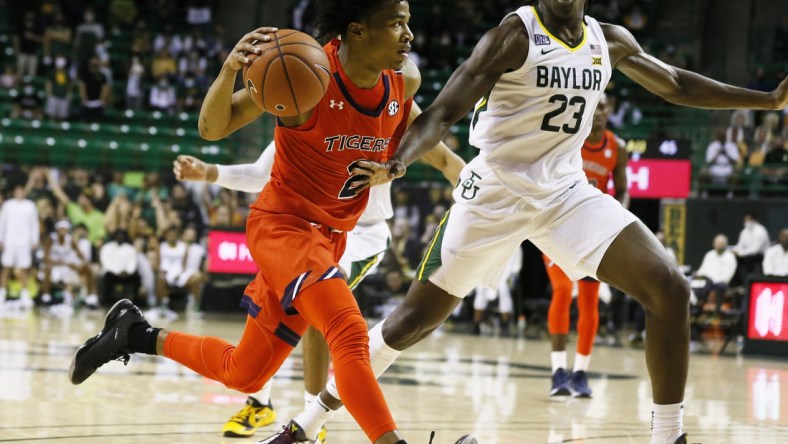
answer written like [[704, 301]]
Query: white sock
[[308, 398], [581, 362], [381, 356], [24, 293], [264, 395], [666, 423], [558, 359], [313, 417], [3, 294]]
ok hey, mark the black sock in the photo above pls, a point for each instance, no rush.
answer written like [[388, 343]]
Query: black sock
[[142, 338]]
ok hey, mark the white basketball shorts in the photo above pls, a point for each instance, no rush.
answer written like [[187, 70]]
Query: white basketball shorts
[[476, 238]]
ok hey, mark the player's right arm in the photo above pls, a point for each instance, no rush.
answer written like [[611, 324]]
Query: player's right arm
[[225, 110], [502, 49]]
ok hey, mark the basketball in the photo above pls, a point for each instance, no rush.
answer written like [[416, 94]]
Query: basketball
[[289, 76]]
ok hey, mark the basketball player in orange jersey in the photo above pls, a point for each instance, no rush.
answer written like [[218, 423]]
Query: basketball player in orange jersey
[[603, 155], [366, 246], [296, 228], [536, 79]]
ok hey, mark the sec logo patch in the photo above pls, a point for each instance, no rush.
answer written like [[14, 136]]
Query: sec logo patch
[[393, 108]]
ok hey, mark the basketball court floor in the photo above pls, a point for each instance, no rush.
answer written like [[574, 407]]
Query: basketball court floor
[[494, 388]]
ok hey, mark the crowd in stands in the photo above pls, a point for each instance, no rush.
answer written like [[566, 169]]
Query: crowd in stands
[[92, 238], [80, 58], [744, 147]]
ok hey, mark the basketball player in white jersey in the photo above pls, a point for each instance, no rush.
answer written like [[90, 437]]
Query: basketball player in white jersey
[[366, 246], [540, 75]]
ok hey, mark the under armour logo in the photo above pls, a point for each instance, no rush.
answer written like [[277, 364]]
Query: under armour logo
[[469, 187], [340, 105]]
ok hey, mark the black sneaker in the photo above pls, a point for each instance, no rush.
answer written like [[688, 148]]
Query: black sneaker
[[110, 344], [560, 387], [467, 439], [291, 433], [578, 383], [681, 439]]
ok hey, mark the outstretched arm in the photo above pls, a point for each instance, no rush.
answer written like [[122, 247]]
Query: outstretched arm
[[680, 86], [501, 49], [247, 177]]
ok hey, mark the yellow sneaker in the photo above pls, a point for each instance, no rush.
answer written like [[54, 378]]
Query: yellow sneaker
[[321, 437], [251, 417]]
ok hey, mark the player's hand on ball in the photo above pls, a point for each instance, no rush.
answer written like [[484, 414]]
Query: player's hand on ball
[[190, 168], [379, 173], [239, 55]]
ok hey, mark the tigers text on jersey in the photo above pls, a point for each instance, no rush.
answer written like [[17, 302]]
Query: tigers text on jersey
[[531, 125], [599, 160], [310, 177]]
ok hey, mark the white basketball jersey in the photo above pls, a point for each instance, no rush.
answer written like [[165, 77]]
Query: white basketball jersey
[[531, 126], [378, 206]]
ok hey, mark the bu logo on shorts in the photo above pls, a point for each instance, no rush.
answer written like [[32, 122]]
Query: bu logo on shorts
[[469, 187]]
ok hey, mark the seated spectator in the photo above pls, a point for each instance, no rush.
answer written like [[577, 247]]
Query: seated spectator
[[198, 13], [119, 214], [168, 40], [179, 268], [27, 42], [186, 208], [9, 79], [118, 259], [721, 157], [190, 95], [775, 163], [58, 87], [192, 61], [164, 65], [85, 269], [761, 144], [62, 261], [775, 260], [134, 88], [740, 132], [58, 38], [28, 104], [753, 243], [162, 96], [717, 269], [93, 91]]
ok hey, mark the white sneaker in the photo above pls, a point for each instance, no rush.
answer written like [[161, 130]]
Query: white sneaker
[[26, 303], [92, 301]]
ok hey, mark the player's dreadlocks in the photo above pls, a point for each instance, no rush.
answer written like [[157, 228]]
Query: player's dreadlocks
[[334, 16]]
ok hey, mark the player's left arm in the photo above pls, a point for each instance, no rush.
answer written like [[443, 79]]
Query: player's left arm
[[680, 86], [620, 177]]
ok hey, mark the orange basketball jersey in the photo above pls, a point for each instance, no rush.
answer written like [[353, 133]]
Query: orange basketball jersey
[[310, 177], [600, 160]]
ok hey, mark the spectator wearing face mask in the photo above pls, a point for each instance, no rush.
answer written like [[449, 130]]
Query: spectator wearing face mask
[[58, 88], [753, 243]]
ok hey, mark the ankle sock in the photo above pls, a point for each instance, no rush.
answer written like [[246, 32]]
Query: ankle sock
[[142, 338]]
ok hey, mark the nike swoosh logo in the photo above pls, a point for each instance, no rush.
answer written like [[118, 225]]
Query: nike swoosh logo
[[250, 86], [548, 52]]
